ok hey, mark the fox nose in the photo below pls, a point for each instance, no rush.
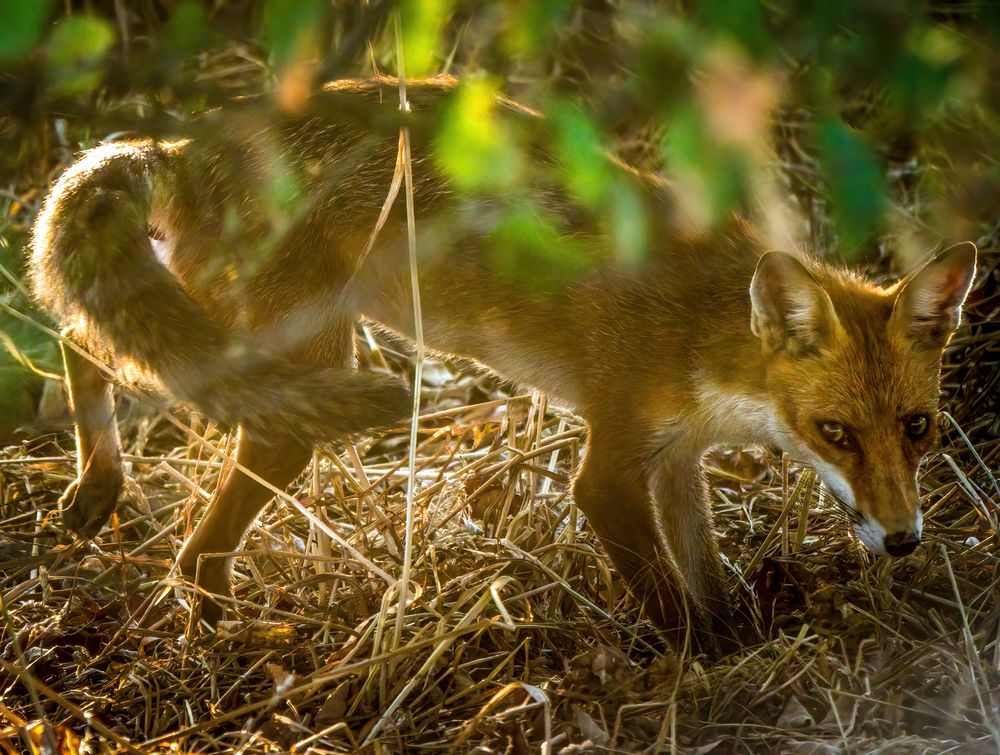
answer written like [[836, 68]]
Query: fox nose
[[901, 543]]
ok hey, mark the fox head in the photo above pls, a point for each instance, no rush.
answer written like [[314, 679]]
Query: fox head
[[854, 372]]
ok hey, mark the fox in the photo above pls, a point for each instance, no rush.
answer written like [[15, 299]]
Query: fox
[[175, 259]]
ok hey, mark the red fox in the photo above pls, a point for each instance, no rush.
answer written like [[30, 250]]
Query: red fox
[[182, 259]]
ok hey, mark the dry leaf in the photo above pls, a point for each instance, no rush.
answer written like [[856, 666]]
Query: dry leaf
[[589, 727], [65, 740]]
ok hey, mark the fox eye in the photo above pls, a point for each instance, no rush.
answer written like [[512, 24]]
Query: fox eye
[[835, 433], [916, 426]]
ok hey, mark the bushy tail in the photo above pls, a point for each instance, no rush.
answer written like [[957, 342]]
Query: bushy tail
[[93, 259]]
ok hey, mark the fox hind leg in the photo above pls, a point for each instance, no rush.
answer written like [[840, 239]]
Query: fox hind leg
[[278, 458], [232, 510], [90, 499]]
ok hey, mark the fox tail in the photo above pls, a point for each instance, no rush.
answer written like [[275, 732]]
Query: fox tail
[[93, 261]]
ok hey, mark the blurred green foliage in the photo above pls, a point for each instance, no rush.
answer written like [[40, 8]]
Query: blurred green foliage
[[475, 146], [288, 27], [422, 23], [874, 118], [867, 82], [854, 179], [22, 26], [591, 179], [528, 244], [75, 52], [21, 345], [187, 29]]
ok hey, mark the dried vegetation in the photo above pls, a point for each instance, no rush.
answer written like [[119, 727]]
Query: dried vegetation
[[518, 637]]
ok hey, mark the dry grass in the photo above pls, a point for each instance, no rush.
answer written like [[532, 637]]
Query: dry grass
[[517, 636]]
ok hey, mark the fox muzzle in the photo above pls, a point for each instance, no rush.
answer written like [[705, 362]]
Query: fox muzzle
[[901, 543]]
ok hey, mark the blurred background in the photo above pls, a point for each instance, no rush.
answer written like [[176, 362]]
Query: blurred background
[[866, 130]]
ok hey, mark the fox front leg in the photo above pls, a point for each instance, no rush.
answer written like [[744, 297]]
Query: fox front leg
[[680, 495], [613, 491]]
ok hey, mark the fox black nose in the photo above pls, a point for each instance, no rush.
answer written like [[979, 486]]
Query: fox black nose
[[901, 543]]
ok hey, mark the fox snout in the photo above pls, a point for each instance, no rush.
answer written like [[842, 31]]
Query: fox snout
[[901, 543]]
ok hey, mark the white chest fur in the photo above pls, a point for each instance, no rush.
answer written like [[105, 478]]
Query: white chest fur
[[725, 416]]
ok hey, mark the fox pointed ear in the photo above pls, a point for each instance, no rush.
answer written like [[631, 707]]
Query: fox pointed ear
[[928, 308], [790, 310]]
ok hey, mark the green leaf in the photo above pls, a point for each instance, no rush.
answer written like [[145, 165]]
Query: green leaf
[[586, 169], [21, 23], [76, 50], [533, 25], [474, 146], [529, 248], [81, 39], [742, 21], [422, 22], [29, 341], [187, 29], [713, 176], [20, 390], [855, 184], [289, 24], [593, 180], [667, 47]]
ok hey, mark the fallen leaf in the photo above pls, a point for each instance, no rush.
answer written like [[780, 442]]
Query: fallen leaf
[[43, 736]]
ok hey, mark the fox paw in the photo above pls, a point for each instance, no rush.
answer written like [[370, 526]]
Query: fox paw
[[214, 578], [89, 501]]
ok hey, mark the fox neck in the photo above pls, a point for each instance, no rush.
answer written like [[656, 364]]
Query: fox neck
[[732, 413]]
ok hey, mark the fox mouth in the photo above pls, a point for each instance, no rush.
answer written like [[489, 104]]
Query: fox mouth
[[871, 534], [895, 544]]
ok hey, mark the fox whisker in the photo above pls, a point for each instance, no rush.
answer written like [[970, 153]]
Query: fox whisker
[[851, 513]]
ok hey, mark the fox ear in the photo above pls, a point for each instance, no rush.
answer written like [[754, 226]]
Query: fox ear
[[790, 310], [928, 308]]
